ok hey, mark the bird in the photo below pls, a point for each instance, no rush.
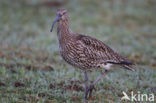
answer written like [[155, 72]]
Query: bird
[[85, 52]]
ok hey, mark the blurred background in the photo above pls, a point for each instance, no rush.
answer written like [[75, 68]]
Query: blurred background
[[31, 69]]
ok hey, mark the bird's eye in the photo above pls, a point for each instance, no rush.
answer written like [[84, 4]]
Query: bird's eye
[[64, 12]]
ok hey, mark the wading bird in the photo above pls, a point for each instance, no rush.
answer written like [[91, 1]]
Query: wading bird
[[85, 52]]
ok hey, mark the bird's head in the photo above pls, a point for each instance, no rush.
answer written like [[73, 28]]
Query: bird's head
[[61, 15]]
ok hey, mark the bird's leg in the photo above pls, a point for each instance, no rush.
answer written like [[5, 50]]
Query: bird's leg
[[86, 85], [91, 86], [72, 88]]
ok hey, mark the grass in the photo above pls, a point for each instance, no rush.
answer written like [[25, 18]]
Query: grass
[[31, 69]]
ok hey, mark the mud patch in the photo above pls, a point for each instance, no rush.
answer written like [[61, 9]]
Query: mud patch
[[19, 84], [72, 85], [42, 95], [2, 84]]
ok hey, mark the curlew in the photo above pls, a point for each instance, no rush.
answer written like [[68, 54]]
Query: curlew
[[85, 52]]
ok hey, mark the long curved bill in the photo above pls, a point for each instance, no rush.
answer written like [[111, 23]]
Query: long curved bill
[[54, 22]]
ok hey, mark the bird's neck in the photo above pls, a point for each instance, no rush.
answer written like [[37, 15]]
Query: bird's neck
[[63, 31]]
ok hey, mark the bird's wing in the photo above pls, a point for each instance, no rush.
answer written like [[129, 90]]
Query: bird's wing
[[97, 50]]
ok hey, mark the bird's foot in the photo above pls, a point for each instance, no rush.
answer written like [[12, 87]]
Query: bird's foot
[[90, 89]]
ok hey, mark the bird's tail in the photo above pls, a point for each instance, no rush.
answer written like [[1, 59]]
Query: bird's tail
[[129, 67], [126, 64], [121, 63]]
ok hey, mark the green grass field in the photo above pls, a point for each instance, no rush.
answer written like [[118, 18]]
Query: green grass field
[[32, 71]]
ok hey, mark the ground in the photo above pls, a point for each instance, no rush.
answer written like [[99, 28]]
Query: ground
[[32, 71]]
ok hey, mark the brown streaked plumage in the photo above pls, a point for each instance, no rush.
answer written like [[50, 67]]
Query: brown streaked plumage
[[85, 52]]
